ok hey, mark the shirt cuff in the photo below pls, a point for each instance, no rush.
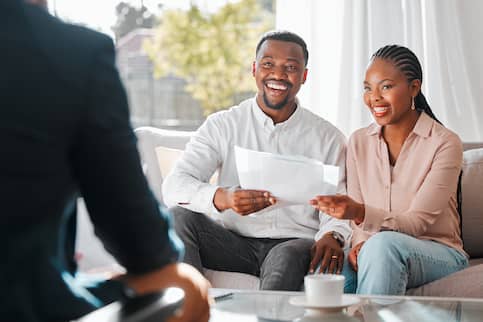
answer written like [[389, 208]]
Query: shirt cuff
[[346, 234], [373, 219]]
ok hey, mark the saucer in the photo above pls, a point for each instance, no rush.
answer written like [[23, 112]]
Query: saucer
[[346, 300]]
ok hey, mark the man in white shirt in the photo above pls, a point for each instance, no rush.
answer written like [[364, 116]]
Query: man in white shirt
[[243, 233]]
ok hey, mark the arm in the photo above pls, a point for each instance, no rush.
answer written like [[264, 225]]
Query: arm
[[326, 246], [187, 184], [337, 157], [125, 214]]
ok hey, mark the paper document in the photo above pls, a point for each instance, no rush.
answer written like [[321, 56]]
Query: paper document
[[291, 179]]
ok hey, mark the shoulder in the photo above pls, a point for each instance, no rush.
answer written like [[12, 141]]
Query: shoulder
[[444, 135], [58, 34], [443, 140], [363, 135], [230, 116], [322, 128]]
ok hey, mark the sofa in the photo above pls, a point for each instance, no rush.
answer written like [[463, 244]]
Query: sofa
[[160, 149]]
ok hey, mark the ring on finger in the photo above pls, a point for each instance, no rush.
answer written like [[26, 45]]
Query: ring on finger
[[334, 257]]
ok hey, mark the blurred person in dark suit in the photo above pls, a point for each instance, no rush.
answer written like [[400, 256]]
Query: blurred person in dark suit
[[65, 133]]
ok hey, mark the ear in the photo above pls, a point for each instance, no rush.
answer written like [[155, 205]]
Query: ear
[[415, 87], [305, 75], [254, 68]]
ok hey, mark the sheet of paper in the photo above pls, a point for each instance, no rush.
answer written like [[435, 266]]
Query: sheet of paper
[[291, 179]]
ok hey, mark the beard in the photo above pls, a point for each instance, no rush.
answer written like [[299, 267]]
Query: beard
[[277, 106]]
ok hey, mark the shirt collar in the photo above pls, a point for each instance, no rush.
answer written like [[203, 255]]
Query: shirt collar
[[421, 128], [265, 120]]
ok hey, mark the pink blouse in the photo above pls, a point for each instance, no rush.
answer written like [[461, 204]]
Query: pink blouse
[[418, 195]]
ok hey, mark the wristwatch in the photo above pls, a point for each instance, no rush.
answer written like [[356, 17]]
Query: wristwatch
[[338, 237]]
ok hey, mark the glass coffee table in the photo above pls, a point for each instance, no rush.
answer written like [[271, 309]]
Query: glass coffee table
[[272, 306]]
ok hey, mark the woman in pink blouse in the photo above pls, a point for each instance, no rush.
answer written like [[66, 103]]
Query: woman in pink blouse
[[402, 180]]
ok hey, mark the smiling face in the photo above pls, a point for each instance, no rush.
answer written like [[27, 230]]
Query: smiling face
[[387, 93], [279, 71]]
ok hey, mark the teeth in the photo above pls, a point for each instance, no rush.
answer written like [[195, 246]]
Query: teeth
[[276, 86], [380, 109]]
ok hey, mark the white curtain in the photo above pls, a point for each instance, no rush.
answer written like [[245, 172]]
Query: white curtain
[[446, 35]]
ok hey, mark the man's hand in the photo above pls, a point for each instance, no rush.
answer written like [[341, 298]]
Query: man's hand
[[340, 207], [243, 202], [353, 254], [329, 254], [196, 306]]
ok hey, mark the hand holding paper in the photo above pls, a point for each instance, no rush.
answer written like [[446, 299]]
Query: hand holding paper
[[243, 202], [290, 179]]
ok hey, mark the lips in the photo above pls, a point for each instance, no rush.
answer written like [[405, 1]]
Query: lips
[[380, 110], [277, 87]]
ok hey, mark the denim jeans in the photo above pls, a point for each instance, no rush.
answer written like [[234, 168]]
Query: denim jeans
[[391, 262], [281, 264]]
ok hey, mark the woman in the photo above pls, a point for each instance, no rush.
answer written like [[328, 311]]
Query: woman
[[402, 179]]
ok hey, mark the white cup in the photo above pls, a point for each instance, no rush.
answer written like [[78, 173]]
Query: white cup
[[324, 289]]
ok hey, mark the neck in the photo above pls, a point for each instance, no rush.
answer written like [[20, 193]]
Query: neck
[[397, 133], [280, 115]]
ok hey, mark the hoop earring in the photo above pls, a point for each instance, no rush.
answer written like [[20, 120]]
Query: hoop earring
[[412, 105]]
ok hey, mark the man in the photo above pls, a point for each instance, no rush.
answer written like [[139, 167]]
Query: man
[[64, 129], [275, 244]]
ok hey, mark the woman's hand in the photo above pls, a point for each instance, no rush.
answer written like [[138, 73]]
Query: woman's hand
[[353, 254], [340, 207]]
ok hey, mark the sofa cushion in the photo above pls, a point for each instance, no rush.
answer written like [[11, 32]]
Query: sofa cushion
[[465, 283], [148, 139], [472, 201]]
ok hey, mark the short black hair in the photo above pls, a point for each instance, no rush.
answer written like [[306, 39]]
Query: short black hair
[[284, 35]]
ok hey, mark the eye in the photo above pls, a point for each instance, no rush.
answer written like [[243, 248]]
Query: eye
[[386, 87], [267, 64], [291, 68], [367, 89]]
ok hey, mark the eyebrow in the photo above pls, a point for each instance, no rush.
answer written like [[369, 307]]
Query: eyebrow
[[382, 81], [289, 59]]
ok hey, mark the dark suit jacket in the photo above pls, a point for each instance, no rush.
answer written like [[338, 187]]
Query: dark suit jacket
[[65, 132]]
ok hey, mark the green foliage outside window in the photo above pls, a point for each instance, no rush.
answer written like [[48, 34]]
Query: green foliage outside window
[[213, 52]]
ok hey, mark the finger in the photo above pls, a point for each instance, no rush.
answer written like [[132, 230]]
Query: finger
[[352, 259], [253, 201], [317, 255], [334, 260], [340, 264], [325, 261]]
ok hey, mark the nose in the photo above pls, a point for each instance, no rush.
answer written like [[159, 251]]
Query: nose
[[375, 95], [278, 72]]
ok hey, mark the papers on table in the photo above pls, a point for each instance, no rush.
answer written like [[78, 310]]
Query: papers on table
[[291, 179]]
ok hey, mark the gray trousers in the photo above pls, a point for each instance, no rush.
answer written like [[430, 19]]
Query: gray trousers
[[281, 264]]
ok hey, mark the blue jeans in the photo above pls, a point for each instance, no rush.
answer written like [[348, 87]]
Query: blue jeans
[[391, 262]]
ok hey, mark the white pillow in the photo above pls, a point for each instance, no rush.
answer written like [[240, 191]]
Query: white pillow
[[472, 201]]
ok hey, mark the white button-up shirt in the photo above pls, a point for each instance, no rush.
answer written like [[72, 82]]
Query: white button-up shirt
[[245, 125]]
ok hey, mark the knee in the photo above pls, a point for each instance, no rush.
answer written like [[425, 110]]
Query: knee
[[383, 248], [295, 252], [183, 218]]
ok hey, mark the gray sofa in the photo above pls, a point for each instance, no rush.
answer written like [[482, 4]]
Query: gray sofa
[[160, 148]]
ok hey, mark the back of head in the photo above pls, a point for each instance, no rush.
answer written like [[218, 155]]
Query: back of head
[[283, 35], [407, 62]]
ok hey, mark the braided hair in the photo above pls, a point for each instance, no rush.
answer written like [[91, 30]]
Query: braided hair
[[407, 62]]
